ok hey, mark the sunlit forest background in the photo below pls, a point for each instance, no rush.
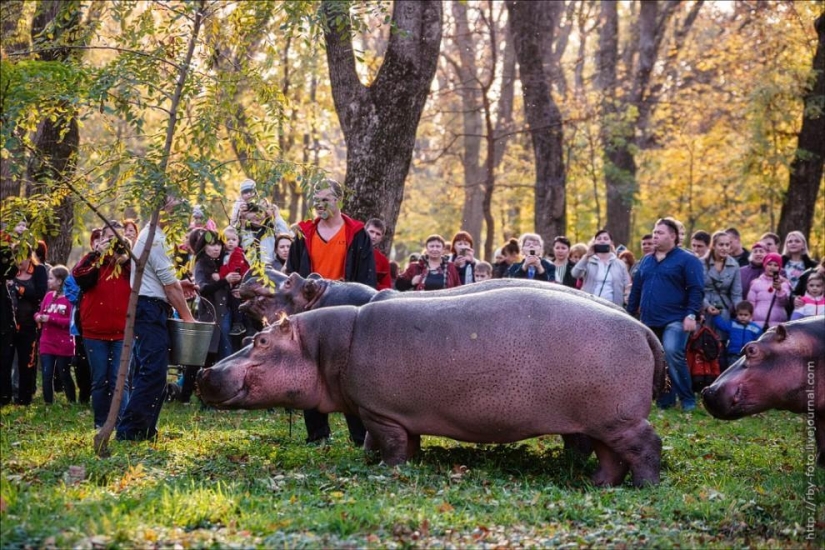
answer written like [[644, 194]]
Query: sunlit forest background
[[712, 129]]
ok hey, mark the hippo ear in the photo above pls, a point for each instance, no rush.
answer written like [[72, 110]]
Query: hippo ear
[[781, 333], [311, 288], [287, 327]]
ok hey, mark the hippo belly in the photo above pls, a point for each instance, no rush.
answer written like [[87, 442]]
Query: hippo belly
[[473, 369]]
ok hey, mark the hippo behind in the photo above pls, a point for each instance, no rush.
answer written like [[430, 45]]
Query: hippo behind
[[784, 369], [295, 294], [408, 369]]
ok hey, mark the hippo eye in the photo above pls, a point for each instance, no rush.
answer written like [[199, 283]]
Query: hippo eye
[[751, 351], [262, 340]]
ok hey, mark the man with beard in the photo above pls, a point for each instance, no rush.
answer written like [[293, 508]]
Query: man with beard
[[338, 248]]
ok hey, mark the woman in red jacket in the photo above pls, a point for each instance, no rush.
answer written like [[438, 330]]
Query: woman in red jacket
[[103, 276]]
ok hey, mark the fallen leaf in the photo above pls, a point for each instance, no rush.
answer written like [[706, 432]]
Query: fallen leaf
[[445, 507]]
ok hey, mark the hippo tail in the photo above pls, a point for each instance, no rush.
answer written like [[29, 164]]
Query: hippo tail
[[660, 378]]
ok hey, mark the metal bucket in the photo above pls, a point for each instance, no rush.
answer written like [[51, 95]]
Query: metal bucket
[[189, 342]]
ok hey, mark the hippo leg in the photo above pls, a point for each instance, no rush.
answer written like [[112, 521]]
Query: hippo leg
[[413, 445], [578, 443], [389, 436], [612, 469], [371, 448], [640, 447]]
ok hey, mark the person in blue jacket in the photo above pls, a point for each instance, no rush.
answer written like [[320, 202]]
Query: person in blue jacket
[[667, 294], [740, 331]]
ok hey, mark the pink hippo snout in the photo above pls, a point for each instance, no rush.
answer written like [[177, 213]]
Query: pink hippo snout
[[725, 398]]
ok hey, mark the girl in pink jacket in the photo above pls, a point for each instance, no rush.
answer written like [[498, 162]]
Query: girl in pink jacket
[[56, 344], [769, 294], [813, 302]]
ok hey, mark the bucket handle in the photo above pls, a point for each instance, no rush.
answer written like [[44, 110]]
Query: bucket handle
[[214, 310]]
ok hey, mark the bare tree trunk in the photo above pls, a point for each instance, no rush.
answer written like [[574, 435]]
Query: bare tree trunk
[[543, 117], [379, 122], [626, 113], [806, 167], [54, 159], [14, 40], [470, 91]]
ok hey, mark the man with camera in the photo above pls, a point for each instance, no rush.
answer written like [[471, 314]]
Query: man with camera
[[257, 222], [533, 266]]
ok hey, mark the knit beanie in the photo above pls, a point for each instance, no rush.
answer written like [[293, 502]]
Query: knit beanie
[[772, 257], [248, 185]]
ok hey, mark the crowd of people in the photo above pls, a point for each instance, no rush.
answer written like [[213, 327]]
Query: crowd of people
[[71, 322]]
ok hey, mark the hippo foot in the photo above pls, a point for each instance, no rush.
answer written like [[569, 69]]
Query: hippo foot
[[372, 451], [612, 469], [636, 447], [391, 438]]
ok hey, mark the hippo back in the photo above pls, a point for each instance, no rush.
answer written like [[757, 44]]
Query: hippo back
[[529, 351], [493, 284]]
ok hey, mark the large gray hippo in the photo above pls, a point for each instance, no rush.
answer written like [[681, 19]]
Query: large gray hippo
[[784, 369], [295, 294], [519, 364]]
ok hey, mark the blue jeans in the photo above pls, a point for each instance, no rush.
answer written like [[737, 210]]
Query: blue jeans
[[104, 361], [59, 365], [225, 348], [674, 340], [150, 364]]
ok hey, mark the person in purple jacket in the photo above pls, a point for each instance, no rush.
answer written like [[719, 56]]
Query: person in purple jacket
[[667, 293], [754, 268]]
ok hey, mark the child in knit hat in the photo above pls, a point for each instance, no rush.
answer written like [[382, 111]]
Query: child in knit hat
[[769, 293]]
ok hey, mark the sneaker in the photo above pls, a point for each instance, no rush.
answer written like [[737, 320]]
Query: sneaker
[[237, 329]]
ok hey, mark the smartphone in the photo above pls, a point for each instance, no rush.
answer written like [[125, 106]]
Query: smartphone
[[599, 248]]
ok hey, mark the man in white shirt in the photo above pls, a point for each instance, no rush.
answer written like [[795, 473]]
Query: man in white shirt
[[160, 291]]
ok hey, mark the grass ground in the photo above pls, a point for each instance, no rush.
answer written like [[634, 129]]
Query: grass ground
[[218, 479]]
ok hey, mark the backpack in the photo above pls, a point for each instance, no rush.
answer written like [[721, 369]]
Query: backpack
[[704, 350]]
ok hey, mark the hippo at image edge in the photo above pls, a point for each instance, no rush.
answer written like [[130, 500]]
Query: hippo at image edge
[[784, 369], [466, 368], [295, 294]]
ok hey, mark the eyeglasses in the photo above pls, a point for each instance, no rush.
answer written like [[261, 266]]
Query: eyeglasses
[[324, 200]]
